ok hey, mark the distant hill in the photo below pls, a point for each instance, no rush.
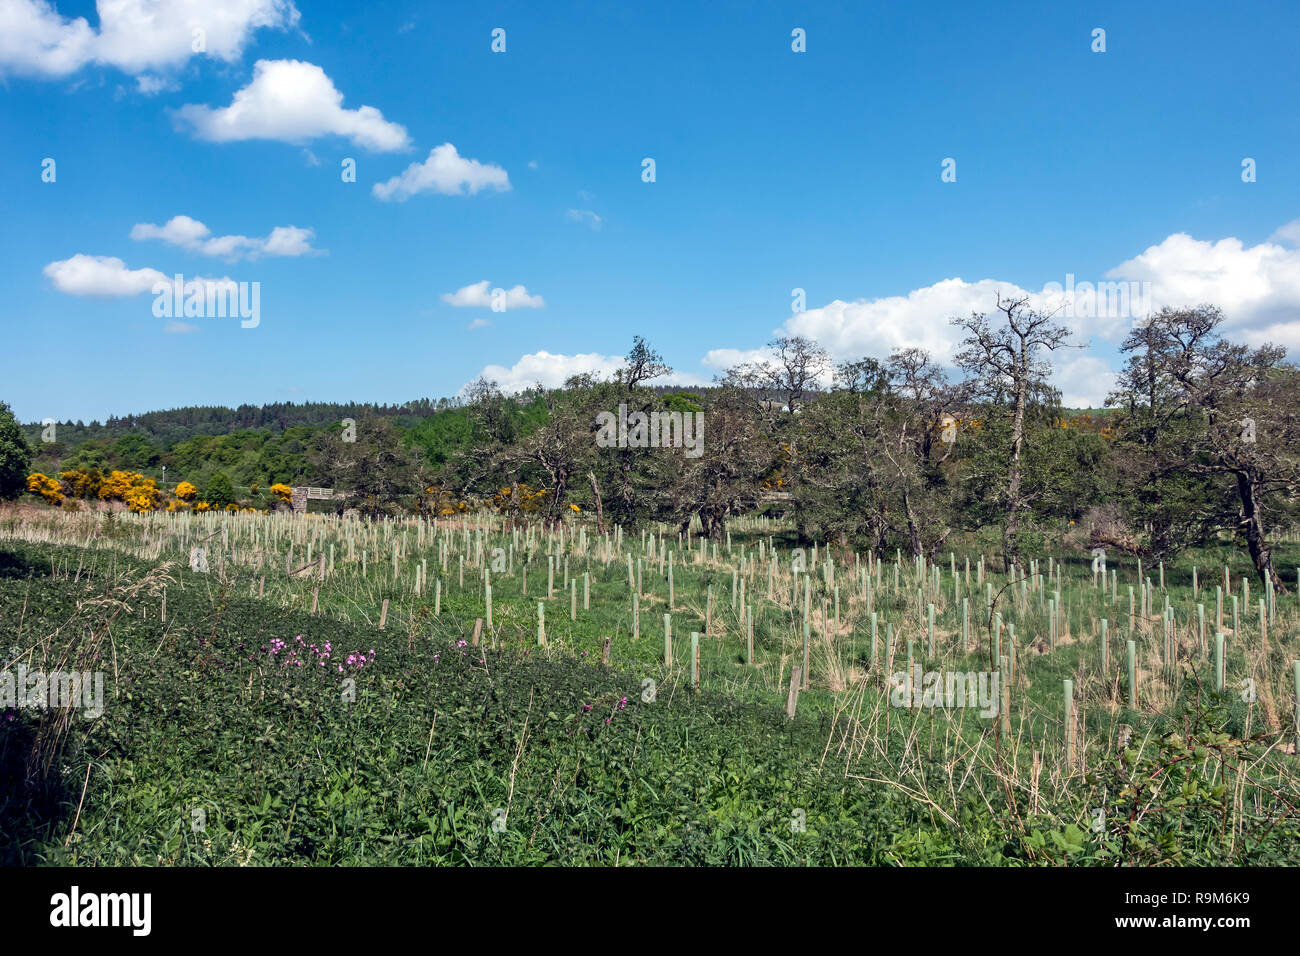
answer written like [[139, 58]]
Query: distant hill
[[166, 428]]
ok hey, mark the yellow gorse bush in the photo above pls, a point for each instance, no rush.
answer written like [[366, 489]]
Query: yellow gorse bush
[[117, 485], [47, 488], [144, 496], [81, 484], [186, 491], [140, 493]]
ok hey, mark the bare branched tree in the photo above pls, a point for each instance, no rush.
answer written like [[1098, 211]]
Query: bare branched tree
[[1009, 368]]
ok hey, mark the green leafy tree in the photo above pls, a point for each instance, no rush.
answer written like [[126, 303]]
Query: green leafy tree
[[15, 455], [219, 492]]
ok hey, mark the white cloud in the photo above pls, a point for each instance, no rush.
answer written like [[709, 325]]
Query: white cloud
[[109, 277], [723, 359], [445, 171], [179, 328], [920, 319], [480, 324], [587, 216], [100, 276], [550, 369], [1258, 287], [479, 295], [193, 235], [150, 84], [288, 241], [1084, 380], [1290, 233], [178, 230], [133, 35], [292, 101]]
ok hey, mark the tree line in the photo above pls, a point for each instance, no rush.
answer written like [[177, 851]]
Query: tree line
[[1199, 440]]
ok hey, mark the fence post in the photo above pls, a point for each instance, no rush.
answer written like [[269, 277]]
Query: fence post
[[792, 696], [1132, 675], [695, 660]]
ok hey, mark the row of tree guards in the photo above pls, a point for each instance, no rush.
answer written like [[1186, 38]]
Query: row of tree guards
[[972, 599]]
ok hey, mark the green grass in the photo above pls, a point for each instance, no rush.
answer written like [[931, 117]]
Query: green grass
[[202, 723]]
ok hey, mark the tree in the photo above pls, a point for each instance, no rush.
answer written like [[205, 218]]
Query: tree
[[1172, 506], [219, 492], [1010, 372], [377, 467], [872, 454], [726, 477], [562, 450], [15, 455], [135, 452], [780, 383], [642, 364], [1221, 410]]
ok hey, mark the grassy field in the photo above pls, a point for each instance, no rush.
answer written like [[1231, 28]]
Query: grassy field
[[228, 737]]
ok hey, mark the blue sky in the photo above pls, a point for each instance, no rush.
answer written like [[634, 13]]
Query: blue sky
[[775, 170]]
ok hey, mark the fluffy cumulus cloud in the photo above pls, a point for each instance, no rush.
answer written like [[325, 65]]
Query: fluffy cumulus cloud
[[292, 101], [109, 277], [103, 276], [132, 35], [551, 370], [444, 171], [850, 330], [480, 295], [195, 236], [1084, 380], [1258, 287]]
